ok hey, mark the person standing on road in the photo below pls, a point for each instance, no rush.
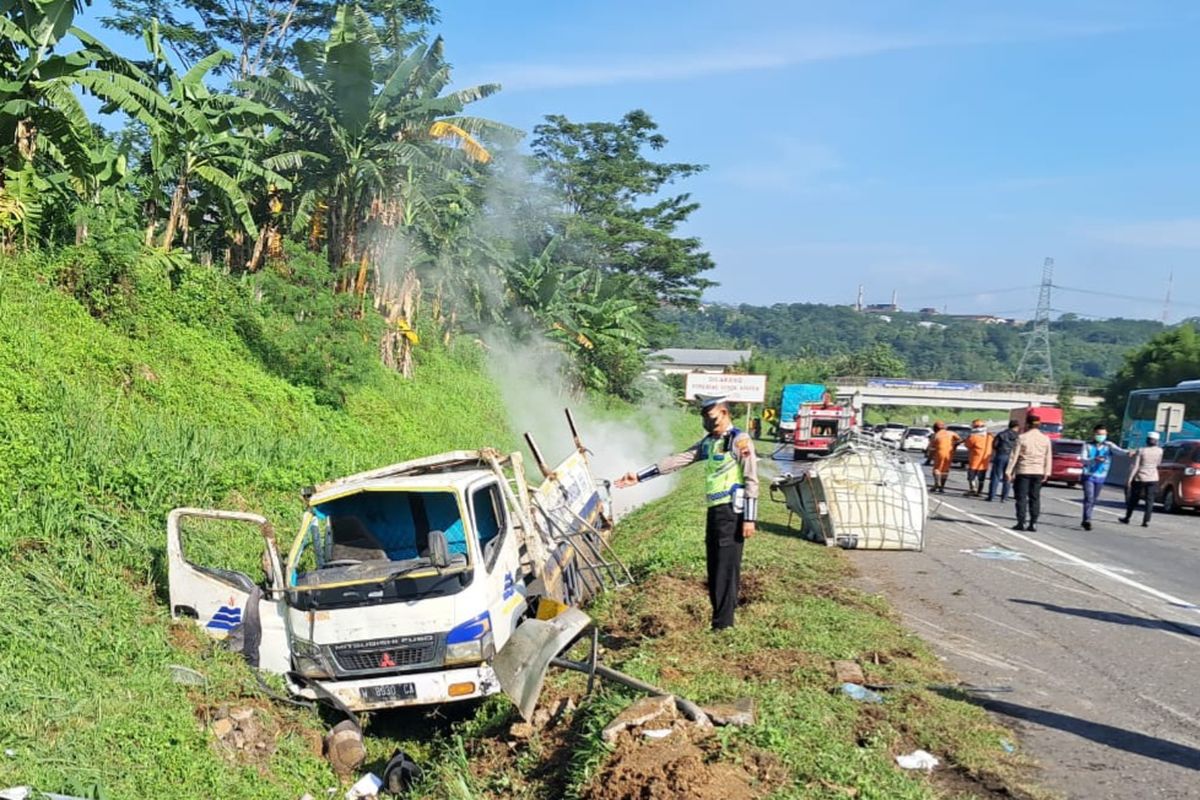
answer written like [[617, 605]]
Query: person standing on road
[[941, 453], [1003, 444], [979, 453], [1029, 468], [731, 486], [1143, 479], [1098, 459]]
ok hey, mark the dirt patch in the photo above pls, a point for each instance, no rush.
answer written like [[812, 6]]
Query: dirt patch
[[752, 588], [187, 637], [652, 626], [664, 605], [679, 767], [957, 782], [244, 735], [769, 664]]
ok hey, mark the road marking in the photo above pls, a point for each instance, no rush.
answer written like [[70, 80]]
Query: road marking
[[1012, 628], [1080, 504], [1062, 587], [1097, 568]]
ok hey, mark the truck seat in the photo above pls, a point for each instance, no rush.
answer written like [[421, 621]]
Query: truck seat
[[352, 540]]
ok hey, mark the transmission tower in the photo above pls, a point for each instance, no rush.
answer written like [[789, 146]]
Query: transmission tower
[[1166, 317], [1035, 361]]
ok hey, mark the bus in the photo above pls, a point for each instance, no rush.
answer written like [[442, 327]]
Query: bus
[[1144, 412]]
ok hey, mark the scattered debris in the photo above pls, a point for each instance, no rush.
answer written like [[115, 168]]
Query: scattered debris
[[848, 672], [27, 793], [997, 553], [861, 693], [1007, 746], [657, 733], [739, 714], [242, 734], [918, 759], [187, 676], [367, 786], [401, 773], [344, 748], [521, 730], [641, 711]]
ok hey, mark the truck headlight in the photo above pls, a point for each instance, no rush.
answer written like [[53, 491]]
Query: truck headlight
[[471, 642], [308, 659]]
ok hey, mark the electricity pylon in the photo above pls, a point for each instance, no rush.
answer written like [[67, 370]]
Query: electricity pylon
[[1035, 361]]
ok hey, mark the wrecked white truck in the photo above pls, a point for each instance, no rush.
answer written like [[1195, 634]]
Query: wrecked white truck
[[403, 583]]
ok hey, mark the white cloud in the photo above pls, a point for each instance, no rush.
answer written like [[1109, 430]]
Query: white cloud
[[762, 53], [1183, 234]]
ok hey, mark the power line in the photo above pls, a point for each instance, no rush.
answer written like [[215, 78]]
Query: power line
[[1116, 296]]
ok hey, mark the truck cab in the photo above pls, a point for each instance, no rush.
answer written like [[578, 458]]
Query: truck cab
[[1051, 417], [818, 427], [402, 583]]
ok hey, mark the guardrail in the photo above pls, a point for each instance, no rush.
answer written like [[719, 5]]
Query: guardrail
[[964, 386]]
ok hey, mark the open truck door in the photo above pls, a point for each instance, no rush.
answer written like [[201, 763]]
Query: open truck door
[[225, 601]]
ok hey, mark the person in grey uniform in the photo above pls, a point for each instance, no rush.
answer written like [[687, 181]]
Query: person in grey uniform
[[731, 489], [1142, 483]]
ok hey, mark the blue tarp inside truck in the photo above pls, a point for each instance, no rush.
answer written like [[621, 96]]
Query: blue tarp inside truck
[[794, 395]]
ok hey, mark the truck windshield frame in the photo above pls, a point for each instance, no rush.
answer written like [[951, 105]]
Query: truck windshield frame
[[373, 536]]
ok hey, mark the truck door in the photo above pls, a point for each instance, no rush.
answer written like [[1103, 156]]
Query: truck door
[[219, 598], [500, 570]]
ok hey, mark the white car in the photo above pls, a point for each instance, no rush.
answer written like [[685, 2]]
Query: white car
[[893, 433], [915, 440]]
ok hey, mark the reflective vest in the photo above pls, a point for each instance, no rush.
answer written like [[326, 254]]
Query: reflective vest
[[723, 472]]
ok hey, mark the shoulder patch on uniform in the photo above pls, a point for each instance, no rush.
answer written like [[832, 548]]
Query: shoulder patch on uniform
[[744, 444]]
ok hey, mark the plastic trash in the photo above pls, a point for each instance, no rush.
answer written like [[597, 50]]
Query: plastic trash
[[1007, 746], [995, 553], [368, 786], [861, 693], [918, 759], [657, 733]]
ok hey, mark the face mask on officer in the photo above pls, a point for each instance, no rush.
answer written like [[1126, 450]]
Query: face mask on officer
[[1101, 438], [710, 423]]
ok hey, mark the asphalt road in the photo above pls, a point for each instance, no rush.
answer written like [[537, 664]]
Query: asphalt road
[[1097, 632]]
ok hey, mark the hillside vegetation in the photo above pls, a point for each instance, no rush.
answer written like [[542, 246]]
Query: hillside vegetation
[[842, 340], [106, 425]]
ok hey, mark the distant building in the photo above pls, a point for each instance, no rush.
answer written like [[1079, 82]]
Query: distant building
[[929, 311], [676, 360], [881, 308], [931, 325]]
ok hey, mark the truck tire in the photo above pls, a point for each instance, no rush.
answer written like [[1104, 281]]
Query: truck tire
[[1169, 506]]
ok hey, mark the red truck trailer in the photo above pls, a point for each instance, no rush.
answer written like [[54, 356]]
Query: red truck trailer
[[1051, 417], [818, 426]]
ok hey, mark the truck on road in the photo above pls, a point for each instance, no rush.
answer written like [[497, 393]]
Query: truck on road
[[1051, 417]]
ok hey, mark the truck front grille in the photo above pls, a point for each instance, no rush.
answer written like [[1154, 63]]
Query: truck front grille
[[374, 657]]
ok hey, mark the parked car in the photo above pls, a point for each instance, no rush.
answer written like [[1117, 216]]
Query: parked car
[[961, 456], [1067, 457], [893, 433], [1179, 475], [915, 439]]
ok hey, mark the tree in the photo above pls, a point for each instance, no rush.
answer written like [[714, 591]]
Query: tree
[[210, 139], [47, 145], [1168, 358], [613, 216], [261, 34]]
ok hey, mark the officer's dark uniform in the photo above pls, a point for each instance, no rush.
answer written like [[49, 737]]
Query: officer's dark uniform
[[731, 487]]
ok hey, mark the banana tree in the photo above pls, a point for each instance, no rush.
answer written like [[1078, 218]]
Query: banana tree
[[389, 139], [46, 137], [210, 143]]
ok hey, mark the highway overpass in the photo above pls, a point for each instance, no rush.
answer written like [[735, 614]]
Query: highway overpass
[[951, 394]]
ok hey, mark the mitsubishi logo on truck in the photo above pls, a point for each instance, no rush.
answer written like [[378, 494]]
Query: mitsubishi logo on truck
[[386, 660]]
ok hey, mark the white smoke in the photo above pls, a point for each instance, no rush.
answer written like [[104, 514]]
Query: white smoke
[[534, 388]]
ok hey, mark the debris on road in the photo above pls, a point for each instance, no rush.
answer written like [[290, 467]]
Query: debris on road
[[864, 496], [344, 748], [997, 553], [861, 693], [918, 759]]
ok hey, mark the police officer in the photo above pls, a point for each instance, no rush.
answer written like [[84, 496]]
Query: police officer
[[731, 486]]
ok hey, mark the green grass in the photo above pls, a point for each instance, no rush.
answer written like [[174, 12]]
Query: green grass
[[927, 415]]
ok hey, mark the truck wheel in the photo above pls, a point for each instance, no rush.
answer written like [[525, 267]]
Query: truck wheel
[[1168, 502]]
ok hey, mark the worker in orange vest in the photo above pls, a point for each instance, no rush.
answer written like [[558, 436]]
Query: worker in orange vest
[[979, 454], [941, 453]]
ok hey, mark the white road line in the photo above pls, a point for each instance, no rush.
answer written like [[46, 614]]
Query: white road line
[[1062, 587], [1079, 503], [1098, 569]]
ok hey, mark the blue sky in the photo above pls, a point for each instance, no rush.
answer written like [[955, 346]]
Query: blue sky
[[940, 149]]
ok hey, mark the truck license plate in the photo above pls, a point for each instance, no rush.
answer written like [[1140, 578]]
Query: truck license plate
[[387, 692]]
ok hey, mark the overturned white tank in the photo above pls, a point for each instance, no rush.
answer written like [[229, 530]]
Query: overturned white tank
[[861, 497]]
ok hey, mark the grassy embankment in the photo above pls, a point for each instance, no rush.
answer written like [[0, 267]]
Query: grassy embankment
[[105, 428]]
